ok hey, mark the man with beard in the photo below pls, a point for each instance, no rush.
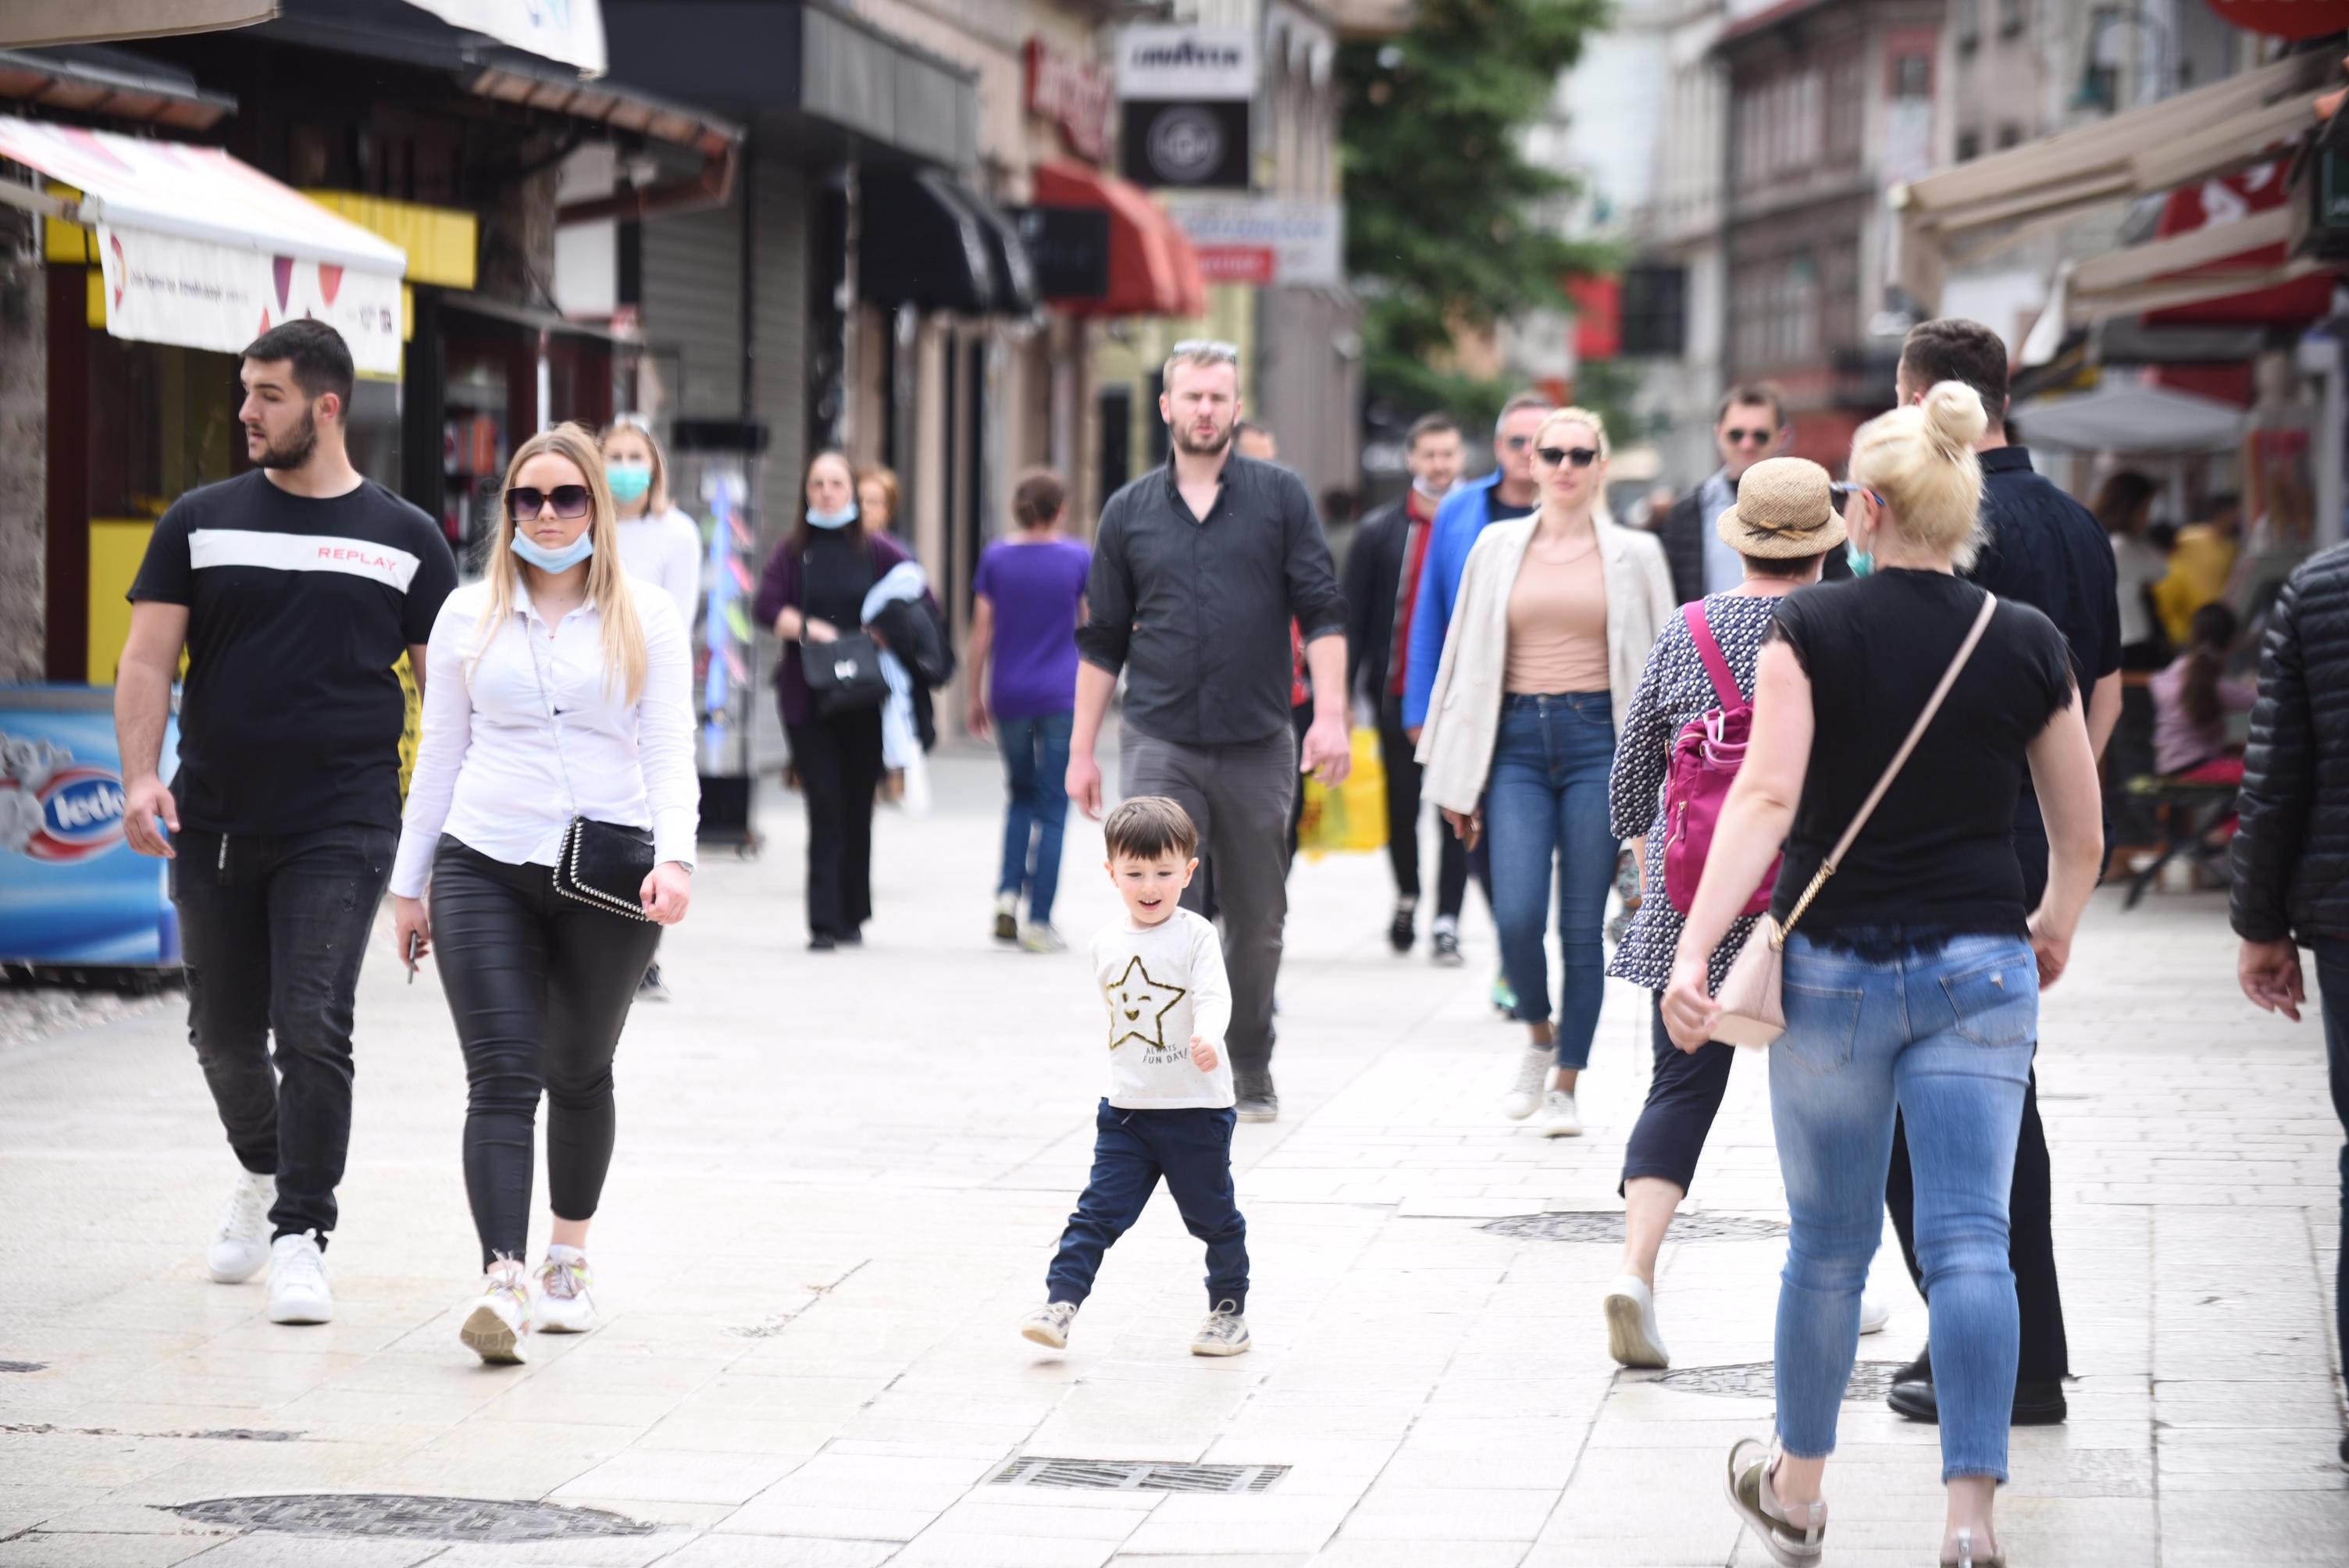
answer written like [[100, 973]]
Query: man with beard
[[294, 589], [1199, 568]]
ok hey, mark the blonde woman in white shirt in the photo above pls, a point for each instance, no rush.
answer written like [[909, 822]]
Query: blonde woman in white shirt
[[556, 686]]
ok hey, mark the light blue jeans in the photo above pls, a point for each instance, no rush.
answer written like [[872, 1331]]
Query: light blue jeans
[[1948, 1034], [1544, 804]]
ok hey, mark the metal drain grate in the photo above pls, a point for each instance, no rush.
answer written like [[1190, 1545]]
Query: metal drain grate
[[1606, 1225], [403, 1518], [24, 1365], [1136, 1475], [1870, 1380]]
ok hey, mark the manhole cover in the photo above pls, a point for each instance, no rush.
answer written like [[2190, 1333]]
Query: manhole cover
[[1607, 1226], [1136, 1475], [1870, 1380], [408, 1518], [24, 1365]]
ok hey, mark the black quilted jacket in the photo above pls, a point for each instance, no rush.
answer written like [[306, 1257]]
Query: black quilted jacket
[[2291, 856]]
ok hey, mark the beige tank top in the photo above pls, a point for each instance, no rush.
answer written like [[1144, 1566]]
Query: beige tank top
[[1557, 624]]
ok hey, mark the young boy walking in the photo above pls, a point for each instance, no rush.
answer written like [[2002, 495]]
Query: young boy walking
[[1169, 1112]]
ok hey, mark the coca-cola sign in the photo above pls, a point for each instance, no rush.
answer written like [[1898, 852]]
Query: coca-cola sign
[[1074, 95], [2286, 18]]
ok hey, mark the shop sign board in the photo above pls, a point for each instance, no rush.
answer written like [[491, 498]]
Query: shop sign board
[[168, 288], [571, 31], [1068, 248], [2293, 19], [1266, 240], [72, 891], [1184, 96], [1073, 94]]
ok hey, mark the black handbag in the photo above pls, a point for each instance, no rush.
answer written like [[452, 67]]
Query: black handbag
[[844, 675], [601, 865]]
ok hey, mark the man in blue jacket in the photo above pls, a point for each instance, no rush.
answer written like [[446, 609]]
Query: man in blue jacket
[[1508, 492]]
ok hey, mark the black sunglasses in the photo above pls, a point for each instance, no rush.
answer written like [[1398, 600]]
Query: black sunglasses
[[1757, 438], [524, 503], [1580, 457]]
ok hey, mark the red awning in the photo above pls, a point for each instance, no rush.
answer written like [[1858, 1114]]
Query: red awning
[[1152, 269], [2212, 205]]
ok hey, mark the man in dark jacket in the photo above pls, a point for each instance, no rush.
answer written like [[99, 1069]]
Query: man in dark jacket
[[2291, 850], [1382, 589], [1749, 425]]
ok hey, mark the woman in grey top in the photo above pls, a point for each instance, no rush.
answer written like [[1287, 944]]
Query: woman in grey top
[[1784, 525]]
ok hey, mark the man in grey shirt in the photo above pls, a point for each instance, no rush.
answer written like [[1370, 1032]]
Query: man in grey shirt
[[1198, 569]]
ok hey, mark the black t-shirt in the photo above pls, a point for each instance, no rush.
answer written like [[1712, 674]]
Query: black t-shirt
[[297, 610], [1939, 851]]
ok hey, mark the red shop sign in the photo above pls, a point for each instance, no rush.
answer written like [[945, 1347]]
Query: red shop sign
[[2285, 18], [1239, 263], [1072, 94]]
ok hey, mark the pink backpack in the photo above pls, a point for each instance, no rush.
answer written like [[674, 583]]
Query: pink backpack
[[1707, 756]]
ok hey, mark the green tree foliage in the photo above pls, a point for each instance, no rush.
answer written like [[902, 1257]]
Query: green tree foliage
[[1438, 234]]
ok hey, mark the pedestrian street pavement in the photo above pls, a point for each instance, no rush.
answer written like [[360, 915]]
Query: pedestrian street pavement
[[840, 1178]]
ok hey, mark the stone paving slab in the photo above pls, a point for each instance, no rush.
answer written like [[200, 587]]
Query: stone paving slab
[[840, 1178]]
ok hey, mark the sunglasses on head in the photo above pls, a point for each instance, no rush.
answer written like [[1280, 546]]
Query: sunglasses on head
[[524, 503], [1580, 457], [1204, 348], [1843, 492], [1749, 438]]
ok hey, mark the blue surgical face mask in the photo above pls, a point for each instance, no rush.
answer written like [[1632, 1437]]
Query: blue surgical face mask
[[630, 480], [1862, 562], [562, 560], [840, 518]]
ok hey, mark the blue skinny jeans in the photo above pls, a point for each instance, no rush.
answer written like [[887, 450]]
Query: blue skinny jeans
[[1544, 804], [1035, 774], [1947, 1036]]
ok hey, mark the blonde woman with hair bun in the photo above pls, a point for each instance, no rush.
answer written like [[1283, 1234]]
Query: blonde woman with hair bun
[[1913, 981], [1549, 636], [556, 687]]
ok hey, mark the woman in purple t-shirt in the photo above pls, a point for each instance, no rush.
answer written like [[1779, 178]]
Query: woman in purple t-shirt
[[1031, 595]]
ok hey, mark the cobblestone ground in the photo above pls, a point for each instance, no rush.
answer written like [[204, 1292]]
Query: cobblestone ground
[[839, 1181]]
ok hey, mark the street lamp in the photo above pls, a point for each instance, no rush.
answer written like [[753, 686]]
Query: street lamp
[[2097, 89]]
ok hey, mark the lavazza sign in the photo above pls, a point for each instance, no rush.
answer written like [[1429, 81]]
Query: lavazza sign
[[1161, 63]]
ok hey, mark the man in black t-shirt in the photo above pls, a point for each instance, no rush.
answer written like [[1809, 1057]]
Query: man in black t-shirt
[[294, 589], [2046, 549]]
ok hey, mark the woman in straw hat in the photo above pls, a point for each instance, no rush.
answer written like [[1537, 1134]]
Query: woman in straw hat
[[1784, 526], [1913, 978], [1554, 619]]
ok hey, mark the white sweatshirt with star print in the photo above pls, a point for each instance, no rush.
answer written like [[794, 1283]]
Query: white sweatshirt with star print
[[1164, 983]]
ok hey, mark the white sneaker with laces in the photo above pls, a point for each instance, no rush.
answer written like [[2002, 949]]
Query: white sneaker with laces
[[1224, 1334], [297, 1281], [1560, 1117], [1632, 1337], [1873, 1314], [1533, 1072], [1049, 1324], [496, 1326], [241, 1245], [563, 1304]]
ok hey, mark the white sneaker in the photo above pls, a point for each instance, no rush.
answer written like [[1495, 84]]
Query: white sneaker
[[563, 1304], [497, 1328], [1042, 939], [1224, 1334], [1533, 1072], [1873, 1314], [1049, 1324], [297, 1281], [1631, 1335], [1560, 1117], [241, 1245]]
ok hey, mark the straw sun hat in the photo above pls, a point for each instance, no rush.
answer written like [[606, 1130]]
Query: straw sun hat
[[1785, 508]]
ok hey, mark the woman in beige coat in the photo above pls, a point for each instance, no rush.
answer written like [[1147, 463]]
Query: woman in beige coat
[[1556, 614]]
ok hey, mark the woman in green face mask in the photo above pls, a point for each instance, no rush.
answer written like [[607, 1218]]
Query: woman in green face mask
[[659, 546]]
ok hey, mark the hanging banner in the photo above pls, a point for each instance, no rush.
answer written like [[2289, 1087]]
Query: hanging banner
[[571, 31], [164, 288]]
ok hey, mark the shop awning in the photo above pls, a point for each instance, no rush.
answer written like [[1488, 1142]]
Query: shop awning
[[31, 22], [918, 245], [1964, 214], [1015, 278], [2129, 414], [202, 251], [102, 81], [1152, 269]]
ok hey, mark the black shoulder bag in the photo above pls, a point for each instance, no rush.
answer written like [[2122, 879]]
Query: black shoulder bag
[[603, 864]]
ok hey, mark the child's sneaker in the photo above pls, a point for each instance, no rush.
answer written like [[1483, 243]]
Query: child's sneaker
[[1007, 917], [1049, 1324], [1224, 1334], [1043, 939], [563, 1304], [496, 1326]]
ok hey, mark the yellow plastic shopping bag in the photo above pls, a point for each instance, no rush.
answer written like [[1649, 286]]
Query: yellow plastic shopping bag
[[1353, 815]]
